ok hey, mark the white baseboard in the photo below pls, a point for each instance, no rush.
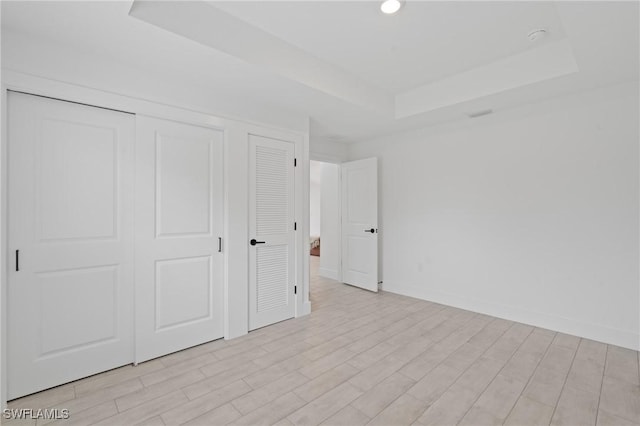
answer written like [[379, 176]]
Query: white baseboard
[[329, 273], [624, 338], [235, 336], [306, 309]]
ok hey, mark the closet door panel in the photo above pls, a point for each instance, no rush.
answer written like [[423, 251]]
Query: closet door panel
[[70, 217], [179, 218]]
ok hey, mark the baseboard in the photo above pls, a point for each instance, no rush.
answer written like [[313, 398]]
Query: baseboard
[[624, 338], [329, 273], [306, 309], [235, 336]]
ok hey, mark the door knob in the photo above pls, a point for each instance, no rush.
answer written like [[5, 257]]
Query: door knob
[[373, 231], [253, 242]]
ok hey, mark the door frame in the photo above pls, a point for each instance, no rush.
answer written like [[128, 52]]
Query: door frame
[[235, 133]]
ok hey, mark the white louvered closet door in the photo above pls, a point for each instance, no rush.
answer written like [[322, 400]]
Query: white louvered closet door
[[271, 231]]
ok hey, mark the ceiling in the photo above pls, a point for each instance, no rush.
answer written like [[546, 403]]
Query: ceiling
[[424, 42], [355, 72]]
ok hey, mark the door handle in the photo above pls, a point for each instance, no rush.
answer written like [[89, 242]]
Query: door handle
[[253, 242], [373, 231]]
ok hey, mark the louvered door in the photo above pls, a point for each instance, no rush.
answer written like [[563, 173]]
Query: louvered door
[[271, 230]]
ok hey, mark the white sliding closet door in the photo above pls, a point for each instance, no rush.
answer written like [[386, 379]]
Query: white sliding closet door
[[271, 229], [179, 219], [70, 220]]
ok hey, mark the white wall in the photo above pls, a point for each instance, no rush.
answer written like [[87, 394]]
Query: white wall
[[330, 247], [332, 152], [529, 214], [55, 61], [314, 206], [315, 176]]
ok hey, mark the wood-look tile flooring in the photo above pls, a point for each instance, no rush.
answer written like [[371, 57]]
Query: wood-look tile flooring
[[363, 358]]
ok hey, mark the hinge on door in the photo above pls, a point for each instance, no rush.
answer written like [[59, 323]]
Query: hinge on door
[[295, 226], [295, 162], [295, 289]]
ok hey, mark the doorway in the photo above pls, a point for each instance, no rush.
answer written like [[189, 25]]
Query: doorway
[[324, 220], [343, 222]]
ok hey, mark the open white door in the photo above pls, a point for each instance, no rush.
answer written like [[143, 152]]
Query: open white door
[[360, 223], [70, 205], [179, 218], [271, 229]]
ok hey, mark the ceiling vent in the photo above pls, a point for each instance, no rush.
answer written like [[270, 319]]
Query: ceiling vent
[[479, 113], [536, 35]]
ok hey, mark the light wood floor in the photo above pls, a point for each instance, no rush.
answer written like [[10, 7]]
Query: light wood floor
[[364, 358]]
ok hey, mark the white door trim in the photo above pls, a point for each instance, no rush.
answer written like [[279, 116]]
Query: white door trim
[[3, 247]]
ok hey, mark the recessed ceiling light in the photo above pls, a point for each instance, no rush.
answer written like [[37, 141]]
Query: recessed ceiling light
[[536, 35], [390, 6]]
